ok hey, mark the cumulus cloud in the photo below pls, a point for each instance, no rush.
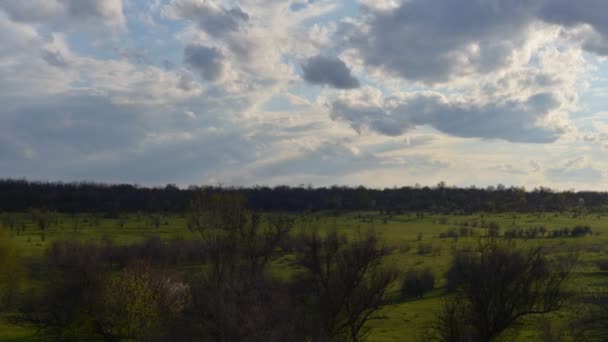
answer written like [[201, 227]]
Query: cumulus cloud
[[206, 61], [433, 41], [329, 71], [210, 17], [437, 41], [573, 14], [510, 120], [99, 107]]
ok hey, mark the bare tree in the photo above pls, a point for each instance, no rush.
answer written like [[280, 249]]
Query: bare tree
[[235, 299], [347, 283], [65, 305], [497, 285]]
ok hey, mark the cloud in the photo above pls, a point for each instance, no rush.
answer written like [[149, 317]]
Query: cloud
[[210, 17], [434, 41], [508, 168], [510, 120], [94, 106], [329, 71], [54, 58], [69, 14], [206, 61], [577, 170], [437, 41], [573, 14]]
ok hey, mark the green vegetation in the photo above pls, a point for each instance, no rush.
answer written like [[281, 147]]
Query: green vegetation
[[414, 241]]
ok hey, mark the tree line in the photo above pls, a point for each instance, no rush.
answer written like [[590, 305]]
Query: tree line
[[21, 195]]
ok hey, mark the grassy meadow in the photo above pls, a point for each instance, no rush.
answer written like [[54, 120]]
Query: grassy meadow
[[415, 240]]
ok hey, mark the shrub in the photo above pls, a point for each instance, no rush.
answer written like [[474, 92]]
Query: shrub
[[139, 303], [465, 231], [602, 265], [417, 282], [579, 231], [498, 285]]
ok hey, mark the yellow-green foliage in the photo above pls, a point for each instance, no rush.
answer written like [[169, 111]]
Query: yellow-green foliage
[[132, 302]]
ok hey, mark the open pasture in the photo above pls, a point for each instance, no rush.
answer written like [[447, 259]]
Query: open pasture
[[415, 240]]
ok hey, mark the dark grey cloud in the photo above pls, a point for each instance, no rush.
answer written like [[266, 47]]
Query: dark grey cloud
[[92, 8], [66, 13], [512, 120], [434, 41], [431, 40], [329, 71], [573, 13], [209, 17], [54, 58], [206, 61]]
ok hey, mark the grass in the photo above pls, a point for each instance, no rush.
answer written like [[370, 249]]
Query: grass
[[403, 234]]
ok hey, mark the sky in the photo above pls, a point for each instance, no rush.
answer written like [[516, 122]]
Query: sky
[[379, 93]]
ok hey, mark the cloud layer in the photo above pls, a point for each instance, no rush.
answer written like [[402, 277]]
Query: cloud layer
[[375, 92]]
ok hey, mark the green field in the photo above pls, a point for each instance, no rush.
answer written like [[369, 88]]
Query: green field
[[406, 235]]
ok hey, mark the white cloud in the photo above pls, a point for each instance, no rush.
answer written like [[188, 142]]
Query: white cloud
[[455, 91]]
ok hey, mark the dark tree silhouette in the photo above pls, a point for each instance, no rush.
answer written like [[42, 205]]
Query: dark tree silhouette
[[497, 285], [346, 285]]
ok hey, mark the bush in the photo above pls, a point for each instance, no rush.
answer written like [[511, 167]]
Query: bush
[[140, 302], [417, 282], [602, 265], [465, 231], [497, 285], [425, 248], [579, 231]]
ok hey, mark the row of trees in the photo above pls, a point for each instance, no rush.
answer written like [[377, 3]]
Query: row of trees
[[21, 195]]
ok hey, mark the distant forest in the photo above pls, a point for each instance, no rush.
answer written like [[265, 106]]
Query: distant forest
[[21, 195]]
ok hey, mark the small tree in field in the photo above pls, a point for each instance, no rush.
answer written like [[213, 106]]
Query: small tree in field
[[42, 219], [417, 282], [346, 283], [495, 286], [65, 306], [235, 298], [140, 302], [9, 221]]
